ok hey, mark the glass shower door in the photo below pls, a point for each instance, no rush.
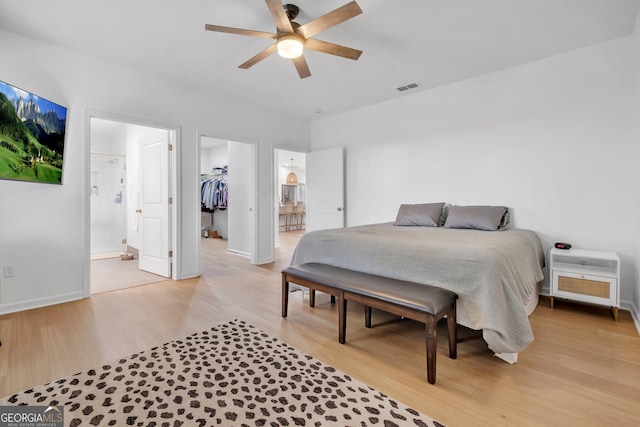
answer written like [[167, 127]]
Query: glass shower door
[[108, 207]]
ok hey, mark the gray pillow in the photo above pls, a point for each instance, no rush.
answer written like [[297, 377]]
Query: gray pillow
[[489, 218], [426, 214]]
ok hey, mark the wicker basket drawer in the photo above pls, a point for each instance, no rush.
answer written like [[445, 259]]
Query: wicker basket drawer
[[594, 289]]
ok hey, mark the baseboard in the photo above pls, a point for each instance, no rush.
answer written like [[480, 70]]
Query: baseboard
[[239, 253], [40, 302], [635, 314], [264, 261], [188, 275]]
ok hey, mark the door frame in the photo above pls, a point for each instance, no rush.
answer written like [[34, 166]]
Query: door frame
[[254, 226], [174, 184]]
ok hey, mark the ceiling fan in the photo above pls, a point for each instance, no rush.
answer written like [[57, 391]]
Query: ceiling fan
[[292, 38]]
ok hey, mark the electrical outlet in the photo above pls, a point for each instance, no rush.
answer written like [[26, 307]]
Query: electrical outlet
[[9, 271]]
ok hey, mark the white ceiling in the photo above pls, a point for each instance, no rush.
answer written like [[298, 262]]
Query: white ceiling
[[431, 42]]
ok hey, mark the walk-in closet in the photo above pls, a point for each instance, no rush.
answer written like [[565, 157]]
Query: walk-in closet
[[227, 195]]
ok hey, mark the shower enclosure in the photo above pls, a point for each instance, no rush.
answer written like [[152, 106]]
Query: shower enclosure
[[108, 205]]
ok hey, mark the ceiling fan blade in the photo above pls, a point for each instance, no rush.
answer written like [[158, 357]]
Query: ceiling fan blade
[[259, 57], [332, 49], [240, 31], [330, 19], [279, 16], [301, 66]]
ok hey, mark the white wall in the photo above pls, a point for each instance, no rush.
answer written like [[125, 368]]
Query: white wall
[[111, 139], [213, 156], [42, 226], [552, 139], [636, 155]]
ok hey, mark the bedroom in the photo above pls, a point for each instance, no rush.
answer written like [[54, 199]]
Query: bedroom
[[555, 139]]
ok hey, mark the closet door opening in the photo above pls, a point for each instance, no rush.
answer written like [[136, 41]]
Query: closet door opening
[[227, 190], [214, 189]]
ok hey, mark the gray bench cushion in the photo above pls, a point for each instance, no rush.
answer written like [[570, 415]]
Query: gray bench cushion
[[425, 298]]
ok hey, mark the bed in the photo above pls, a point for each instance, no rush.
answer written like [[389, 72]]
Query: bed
[[495, 273]]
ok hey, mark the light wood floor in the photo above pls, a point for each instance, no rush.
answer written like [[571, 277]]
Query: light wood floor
[[583, 369], [110, 274]]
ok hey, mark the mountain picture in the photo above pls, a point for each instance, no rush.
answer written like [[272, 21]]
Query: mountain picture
[[32, 136]]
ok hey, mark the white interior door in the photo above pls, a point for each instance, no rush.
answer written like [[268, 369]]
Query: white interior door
[[154, 205], [325, 189], [241, 222]]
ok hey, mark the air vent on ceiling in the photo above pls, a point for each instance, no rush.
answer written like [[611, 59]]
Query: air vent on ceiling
[[408, 86]]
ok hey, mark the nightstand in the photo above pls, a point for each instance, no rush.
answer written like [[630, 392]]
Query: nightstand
[[585, 276]]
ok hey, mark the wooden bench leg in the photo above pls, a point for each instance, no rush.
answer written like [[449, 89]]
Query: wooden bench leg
[[367, 316], [285, 295], [432, 347], [452, 328], [312, 297], [342, 318]]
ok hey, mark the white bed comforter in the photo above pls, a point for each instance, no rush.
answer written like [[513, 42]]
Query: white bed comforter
[[493, 272]]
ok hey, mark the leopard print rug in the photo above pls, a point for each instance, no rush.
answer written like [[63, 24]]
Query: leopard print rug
[[231, 375]]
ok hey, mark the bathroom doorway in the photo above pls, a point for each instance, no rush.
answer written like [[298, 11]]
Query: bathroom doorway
[[116, 204]]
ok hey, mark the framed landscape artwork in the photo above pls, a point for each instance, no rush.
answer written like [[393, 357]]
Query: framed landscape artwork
[[32, 136]]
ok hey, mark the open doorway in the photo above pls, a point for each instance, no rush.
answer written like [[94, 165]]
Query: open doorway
[[290, 197], [214, 188], [123, 157], [227, 190]]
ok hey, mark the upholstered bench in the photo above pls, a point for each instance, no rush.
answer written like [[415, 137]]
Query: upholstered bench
[[419, 302]]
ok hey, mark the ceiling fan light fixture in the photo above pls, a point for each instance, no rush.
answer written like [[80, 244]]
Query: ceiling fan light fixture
[[291, 38], [290, 46]]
